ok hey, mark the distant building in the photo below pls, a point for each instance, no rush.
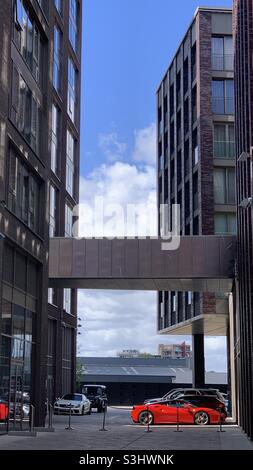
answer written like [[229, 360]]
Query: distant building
[[131, 380], [129, 353], [174, 351]]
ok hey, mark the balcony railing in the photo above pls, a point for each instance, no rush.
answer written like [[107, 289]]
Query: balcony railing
[[223, 62], [223, 105], [224, 149]]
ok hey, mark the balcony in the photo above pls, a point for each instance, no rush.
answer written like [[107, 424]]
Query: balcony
[[224, 149], [223, 62], [223, 105]]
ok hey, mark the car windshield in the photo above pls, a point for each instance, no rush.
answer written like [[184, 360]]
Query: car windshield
[[92, 390], [72, 396]]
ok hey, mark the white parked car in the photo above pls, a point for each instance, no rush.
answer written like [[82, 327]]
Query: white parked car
[[77, 402]]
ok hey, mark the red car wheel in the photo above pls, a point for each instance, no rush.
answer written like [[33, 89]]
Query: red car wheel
[[201, 418], [145, 418]]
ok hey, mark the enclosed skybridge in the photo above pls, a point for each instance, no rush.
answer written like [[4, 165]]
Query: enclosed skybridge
[[200, 264]]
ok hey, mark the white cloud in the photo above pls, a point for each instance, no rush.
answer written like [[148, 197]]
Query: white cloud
[[145, 145], [118, 185], [115, 320], [111, 146], [216, 353]]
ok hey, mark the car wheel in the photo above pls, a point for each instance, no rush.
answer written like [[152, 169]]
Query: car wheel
[[89, 411], [99, 409], [201, 418], [145, 418]]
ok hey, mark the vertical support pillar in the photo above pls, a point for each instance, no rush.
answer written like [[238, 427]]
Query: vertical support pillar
[[198, 362]]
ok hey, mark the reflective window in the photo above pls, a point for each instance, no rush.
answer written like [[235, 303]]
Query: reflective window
[[57, 65], [58, 6], [25, 110], [225, 223], [224, 140], [68, 220], [224, 186], [71, 91], [27, 39], [222, 53], [55, 139], [73, 31], [223, 96], [24, 191], [70, 161], [53, 200], [67, 355], [67, 300]]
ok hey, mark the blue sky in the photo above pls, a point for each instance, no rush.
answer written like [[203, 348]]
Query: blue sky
[[127, 46]]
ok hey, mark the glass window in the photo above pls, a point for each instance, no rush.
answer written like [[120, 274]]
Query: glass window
[[24, 189], [224, 141], [52, 296], [68, 220], [70, 163], [73, 32], [67, 356], [6, 317], [25, 110], [223, 96], [174, 300], [27, 39], [224, 186], [58, 6], [225, 223], [53, 211], [67, 300], [71, 91], [55, 139], [57, 65], [222, 53]]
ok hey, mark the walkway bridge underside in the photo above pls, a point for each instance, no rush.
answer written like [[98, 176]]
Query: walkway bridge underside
[[200, 264]]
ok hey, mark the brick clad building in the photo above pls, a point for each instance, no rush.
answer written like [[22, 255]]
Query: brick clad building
[[40, 47], [196, 165]]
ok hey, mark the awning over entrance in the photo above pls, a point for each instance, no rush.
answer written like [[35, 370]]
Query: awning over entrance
[[200, 264]]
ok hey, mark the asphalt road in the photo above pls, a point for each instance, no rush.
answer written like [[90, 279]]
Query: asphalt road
[[115, 416]]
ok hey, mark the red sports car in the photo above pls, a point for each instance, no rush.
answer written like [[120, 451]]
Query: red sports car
[[3, 411], [171, 413]]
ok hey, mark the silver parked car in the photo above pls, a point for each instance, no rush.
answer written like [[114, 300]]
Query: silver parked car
[[76, 402]]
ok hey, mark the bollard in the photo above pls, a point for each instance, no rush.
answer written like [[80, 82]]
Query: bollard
[[31, 418], [178, 430], [103, 426], [221, 429], [50, 416], [69, 427], [148, 428]]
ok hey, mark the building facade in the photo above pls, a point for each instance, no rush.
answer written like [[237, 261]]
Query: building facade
[[196, 164], [174, 351], [39, 176], [243, 322], [131, 380]]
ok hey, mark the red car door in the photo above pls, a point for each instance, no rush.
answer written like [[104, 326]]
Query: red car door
[[167, 413], [186, 414]]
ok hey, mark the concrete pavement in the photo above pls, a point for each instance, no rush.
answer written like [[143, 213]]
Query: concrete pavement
[[121, 434]]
